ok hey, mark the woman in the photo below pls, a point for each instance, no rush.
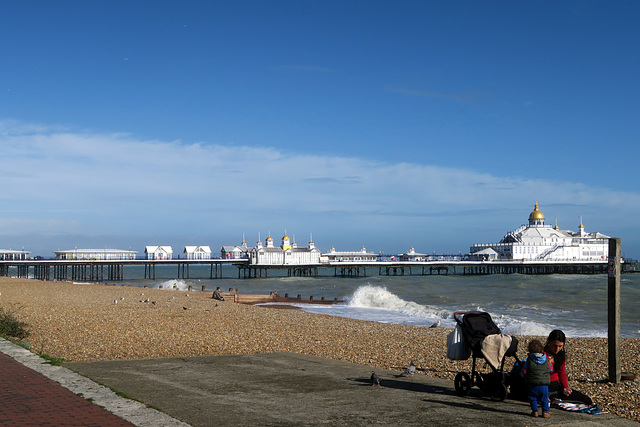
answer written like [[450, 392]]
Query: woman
[[559, 387]]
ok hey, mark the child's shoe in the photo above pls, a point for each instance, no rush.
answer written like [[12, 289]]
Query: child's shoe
[[546, 415], [534, 414]]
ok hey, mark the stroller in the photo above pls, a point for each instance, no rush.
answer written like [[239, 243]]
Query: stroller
[[476, 327]]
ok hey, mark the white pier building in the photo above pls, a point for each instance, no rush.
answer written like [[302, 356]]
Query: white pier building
[[158, 252], [235, 252], [197, 252], [12, 254], [350, 256], [95, 254], [538, 241], [287, 253]]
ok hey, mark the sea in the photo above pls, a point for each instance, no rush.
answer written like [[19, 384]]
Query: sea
[[518, 304]]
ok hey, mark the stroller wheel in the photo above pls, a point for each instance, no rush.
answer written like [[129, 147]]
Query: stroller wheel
[[499, 392], [462, 383]]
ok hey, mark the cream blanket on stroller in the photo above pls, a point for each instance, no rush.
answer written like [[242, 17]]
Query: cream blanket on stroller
[[494, 347]]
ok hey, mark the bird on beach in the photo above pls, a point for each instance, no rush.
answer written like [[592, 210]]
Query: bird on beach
[[115, 301], [411, 369], [375, 380], [435, 325]]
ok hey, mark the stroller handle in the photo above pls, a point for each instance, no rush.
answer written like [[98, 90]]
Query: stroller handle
[[462, 313], [459, 313]]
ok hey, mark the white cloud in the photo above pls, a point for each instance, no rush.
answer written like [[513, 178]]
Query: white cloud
[[58, 182]]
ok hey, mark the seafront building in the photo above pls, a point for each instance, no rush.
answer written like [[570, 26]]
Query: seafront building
[[97, 254], [158, 252], [342, 256], [235, 252], [412, 255], [197, 252], [538, 241], [288, 253], [13, 255]]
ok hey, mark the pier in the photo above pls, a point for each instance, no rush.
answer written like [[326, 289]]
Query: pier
[[113, 270], [106, 270]]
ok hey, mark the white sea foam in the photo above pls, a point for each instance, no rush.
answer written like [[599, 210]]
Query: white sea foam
[[176, 284], [378, 297], [377, 303]]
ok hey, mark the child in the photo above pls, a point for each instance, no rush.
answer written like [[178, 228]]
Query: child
[[536, 377]]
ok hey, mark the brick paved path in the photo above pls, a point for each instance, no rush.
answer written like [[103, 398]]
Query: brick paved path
[[28, 398]]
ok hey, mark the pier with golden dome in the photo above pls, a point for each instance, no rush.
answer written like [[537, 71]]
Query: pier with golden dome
[[533, 248], [537, 241]]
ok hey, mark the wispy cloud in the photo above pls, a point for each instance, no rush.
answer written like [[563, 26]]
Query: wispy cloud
[[62, 182], [460, 97]]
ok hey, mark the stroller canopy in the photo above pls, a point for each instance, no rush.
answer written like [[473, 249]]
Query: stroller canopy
[[476, 325]]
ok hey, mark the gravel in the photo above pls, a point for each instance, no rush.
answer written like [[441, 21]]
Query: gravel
[[85, 322]]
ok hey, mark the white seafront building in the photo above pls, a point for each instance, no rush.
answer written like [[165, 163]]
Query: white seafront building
[[235, 252], [349, 256], [538, 241], [96, 254], [197, 252], [13, 255], [288, 253], [158, 252]]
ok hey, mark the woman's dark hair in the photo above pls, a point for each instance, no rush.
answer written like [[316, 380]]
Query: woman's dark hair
[[557, 335]]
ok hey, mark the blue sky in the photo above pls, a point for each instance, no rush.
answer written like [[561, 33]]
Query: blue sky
[[388, 124]]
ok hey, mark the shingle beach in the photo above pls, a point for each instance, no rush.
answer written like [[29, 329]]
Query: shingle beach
[[85, 322]]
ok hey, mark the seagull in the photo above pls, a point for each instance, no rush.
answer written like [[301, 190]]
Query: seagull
[[115, 301], [435, 325], [374, 379], [411, 369]]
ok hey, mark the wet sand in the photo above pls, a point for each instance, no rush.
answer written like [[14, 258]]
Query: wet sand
[[83, 322]]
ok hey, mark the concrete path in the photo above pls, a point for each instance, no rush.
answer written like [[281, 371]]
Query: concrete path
[[288, 389]]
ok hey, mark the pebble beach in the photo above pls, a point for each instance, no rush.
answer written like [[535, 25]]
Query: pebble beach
[[86, 322]]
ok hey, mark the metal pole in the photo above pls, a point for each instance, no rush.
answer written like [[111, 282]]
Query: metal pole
[[614, 310]]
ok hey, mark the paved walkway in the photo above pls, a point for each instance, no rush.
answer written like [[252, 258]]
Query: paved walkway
[[34, 393], [31, 399]]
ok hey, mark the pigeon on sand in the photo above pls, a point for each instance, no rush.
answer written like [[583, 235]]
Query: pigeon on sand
[[374, 379], [411, 369]]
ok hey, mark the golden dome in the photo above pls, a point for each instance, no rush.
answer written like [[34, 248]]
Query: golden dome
[[536, 214], [269, 239], [286, 237]]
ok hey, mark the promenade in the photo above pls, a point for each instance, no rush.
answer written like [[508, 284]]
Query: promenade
[[277, 389]]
